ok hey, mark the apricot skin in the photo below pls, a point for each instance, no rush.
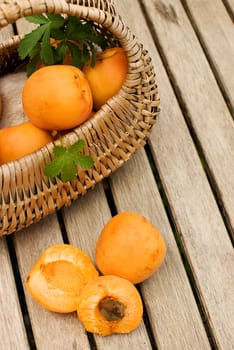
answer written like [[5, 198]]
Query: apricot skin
[[131, 247], [19, 140], [57, 97], [107, 76]]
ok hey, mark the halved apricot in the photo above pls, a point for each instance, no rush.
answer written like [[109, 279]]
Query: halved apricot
[[109, 305], [58, 277]]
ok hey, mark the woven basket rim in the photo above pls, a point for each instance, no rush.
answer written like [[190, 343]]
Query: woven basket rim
[[112, 135]]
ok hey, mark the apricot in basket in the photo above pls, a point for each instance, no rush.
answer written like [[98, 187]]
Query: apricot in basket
[[57, 97], [108, 74], [58, 277], [19, 140]]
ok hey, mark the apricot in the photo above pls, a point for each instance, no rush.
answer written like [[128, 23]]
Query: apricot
[[108, 74], [130, 246], [58, 277], [57, 97], [108, 305], [19, 140]]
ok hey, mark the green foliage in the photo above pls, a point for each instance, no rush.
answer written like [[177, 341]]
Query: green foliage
[[66, 160], [77, 36]]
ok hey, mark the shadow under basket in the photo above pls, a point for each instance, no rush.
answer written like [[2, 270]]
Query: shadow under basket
[[111, 136]]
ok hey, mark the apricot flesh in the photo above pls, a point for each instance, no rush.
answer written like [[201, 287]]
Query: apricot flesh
[[57, 278], [131, 247], [109, 305], [107, 76]]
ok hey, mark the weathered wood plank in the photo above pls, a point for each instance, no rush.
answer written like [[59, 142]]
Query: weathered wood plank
[[51, 330], [84, 221], [202, 100], [197, 218], [11, 320], [217, 32], [167, 293]]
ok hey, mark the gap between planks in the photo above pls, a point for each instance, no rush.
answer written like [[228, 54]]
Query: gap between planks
[[210, 59], [184, 108]]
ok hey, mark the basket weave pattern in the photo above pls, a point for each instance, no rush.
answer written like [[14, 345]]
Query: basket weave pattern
[[112, 135]]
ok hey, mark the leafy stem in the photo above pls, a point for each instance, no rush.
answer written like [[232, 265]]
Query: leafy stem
[[57, 36]]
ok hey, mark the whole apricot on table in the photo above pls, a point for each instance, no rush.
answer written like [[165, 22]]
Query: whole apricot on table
[[57, 97], [19, 140], [108, 74], [58, 277], [109, 305], [130, 246]]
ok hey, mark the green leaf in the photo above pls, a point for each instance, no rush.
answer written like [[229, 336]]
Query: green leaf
[[73, 25], [69, 170], [76, 54], [59, 150], [46, 48], [66, 161], [60, 52], [30, 40], [57, 21], [33, 64], [54, 168], [57, 33], [84, 161], [37, 19], [77, 146]]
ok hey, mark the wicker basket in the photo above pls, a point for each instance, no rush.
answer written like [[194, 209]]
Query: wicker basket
[[112, 135]]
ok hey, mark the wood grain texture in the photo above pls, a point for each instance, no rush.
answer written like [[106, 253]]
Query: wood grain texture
[[217, 33], [170, 303], [202, 100], [167, 293], [51, 330], [84, 221], [197, 218], [11, 320]]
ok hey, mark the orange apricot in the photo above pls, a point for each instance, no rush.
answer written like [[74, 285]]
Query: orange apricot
[[108, 74], [57, 97], [130, 246], [19, 140], [58, 277], [109, 305]]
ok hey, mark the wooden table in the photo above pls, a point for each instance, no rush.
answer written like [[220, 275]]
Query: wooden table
[[183, 181]]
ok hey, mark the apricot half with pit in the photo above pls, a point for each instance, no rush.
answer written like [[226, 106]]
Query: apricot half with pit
[[109, 305]]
